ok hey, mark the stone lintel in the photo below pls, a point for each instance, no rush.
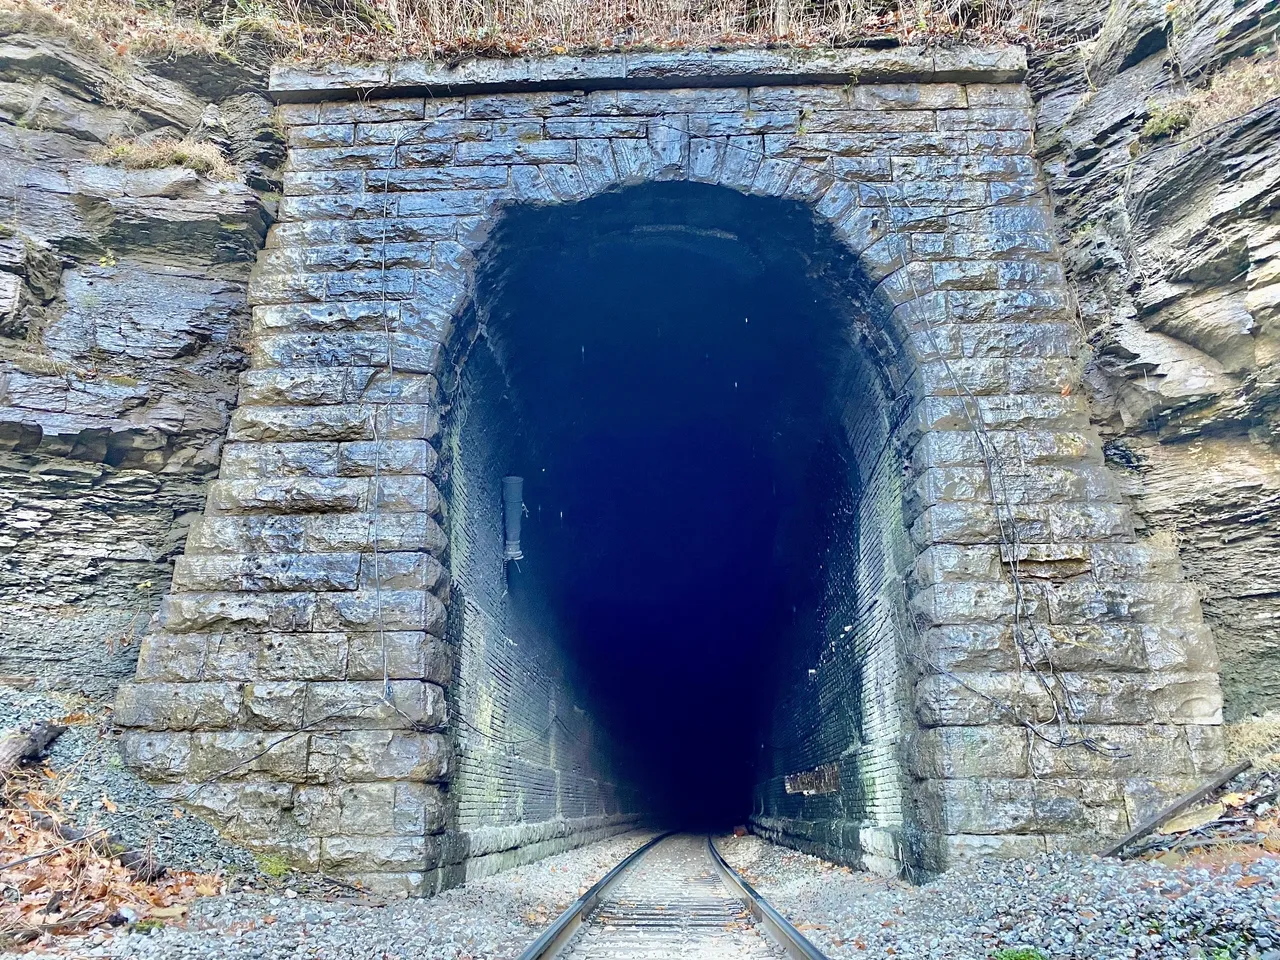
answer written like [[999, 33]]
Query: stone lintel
[[293, 83]]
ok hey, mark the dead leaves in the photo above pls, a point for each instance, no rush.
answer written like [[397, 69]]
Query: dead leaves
[[52, 887]]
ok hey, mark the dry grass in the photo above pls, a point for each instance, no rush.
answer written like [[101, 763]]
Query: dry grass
[[1243, 86], [1256, 739], [204, 158], [350, 30]]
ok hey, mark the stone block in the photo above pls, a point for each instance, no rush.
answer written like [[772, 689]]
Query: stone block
[[980, 648], [446, 203], [257, 814], [958, 752], [1004, 95], [345, 421], [975, 522], [249, 460], [382, 854], [158, 757], [980, 699], [275, 705], [370, 809], [192, 612], [237, 755], [961, 848], [432, 130], [172, 657], [995, 806], [179, 706], [365, 610], [966, 602], [355, 705], [403, 571], [259, 572], [380, 157], [372, 755], [1187, 646], [1116, 752], [294, 495], [380, 110], [321, 135], [314, 182], [985, 118], [276, 656], [1132, 601], [316, 533], [1207, 745], [406, 655], [443, 178]]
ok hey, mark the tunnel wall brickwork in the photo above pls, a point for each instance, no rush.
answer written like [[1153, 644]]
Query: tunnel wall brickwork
[[293, 690], [532, 776]]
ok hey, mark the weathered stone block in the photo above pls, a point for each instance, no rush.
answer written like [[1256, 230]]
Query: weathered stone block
[[403, 655], [294, 495], [192, 612], [158, 757], [403, 571], [216, 757], [378, 853], [247, 460], [274, 705], [385, 610], [352, 705], [179, 706], [373, 755], [370, 809], [276, 656], [257, 572], [1116, 752], [980, 699], [957, 752], [172, 656]]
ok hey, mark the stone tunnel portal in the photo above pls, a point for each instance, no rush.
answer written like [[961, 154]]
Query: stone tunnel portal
[[714, 529], [652, 299]]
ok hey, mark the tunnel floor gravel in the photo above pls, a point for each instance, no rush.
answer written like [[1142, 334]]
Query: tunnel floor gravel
[[1055, 906], [493, 918]]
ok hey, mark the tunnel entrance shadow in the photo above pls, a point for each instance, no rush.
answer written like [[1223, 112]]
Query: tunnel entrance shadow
[[704, 408]]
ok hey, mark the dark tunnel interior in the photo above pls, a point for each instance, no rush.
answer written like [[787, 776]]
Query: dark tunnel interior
[[680, 361]]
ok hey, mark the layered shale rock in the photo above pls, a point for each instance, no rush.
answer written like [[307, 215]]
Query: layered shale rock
[[122, 302]]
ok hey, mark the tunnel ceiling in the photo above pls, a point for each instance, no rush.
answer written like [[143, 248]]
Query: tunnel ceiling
[[673, 353]]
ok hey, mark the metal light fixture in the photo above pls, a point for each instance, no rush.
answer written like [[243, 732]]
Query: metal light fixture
[[512, 512]]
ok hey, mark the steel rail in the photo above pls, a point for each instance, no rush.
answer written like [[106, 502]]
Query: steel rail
[[557, 936], [775, 924], [566, 925]]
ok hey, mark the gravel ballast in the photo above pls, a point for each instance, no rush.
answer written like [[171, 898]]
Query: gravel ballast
[[488, 919], [1066, 906]]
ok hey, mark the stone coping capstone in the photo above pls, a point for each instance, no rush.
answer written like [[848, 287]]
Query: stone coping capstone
[[291, 83]]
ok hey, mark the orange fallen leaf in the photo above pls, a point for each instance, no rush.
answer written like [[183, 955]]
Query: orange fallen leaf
[[108, 804], [1249, 880]]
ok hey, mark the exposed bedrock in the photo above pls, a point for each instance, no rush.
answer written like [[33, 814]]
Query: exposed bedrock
[[1173, 248], [122, 301]]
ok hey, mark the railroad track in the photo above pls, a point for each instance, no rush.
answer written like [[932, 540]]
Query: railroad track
[[675, 897]]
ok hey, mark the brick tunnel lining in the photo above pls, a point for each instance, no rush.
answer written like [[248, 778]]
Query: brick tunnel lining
[[714, 548]]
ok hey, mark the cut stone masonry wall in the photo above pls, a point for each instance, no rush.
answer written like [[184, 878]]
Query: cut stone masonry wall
[[295, 689]]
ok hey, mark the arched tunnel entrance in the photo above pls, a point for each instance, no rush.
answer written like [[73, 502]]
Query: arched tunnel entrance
[[714, 544]]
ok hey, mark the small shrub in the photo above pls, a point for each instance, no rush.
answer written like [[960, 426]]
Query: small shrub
[[1167, 120], [204, 158], [1020, 953], [274, 866]]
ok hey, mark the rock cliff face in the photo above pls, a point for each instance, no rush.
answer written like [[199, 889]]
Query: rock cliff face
[[1174, 250], [122, 299]]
